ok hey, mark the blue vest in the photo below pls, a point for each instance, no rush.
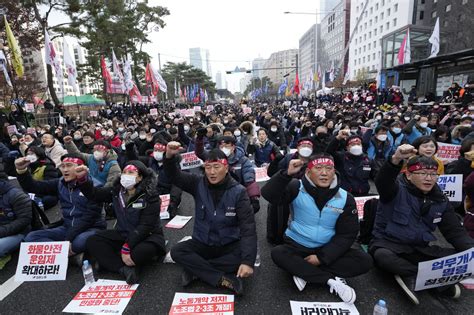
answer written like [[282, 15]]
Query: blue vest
[[220, 219], [395, 142], [415, 134], [400, 220], [99, 177], [310, 226]]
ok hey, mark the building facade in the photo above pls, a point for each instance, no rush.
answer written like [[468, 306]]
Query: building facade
[[219, 80], [199, 58], [257, 67], [308, 52], [326, 6], [281, 65]]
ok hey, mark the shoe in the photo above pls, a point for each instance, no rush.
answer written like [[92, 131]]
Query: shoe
[[340, 287], [408, 286], [130, 274], [187, 278], [233, 283], [452, 291], [300, 283]]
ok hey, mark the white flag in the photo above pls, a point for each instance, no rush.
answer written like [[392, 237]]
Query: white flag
[[331, 72], [3, 65], [347, 76], [127, 72], [161, 82], [117, 72], [407, 55], [70, 67], [53, 60], [434, 40]]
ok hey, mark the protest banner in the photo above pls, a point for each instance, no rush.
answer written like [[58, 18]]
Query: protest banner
[[178, 222], [468, 283], [445, 270], [210, 108], [320, 112], [197, 108], [360, 201], [31, 130], [451, 185], [154, 111], [299, 308], [103, 296], [448, 152], [93, 113], [165, 203], [29, 107], [190, 160], [189, 112], [196, 303], [261, 174], [247, 110], [42, 261], [12, 130]]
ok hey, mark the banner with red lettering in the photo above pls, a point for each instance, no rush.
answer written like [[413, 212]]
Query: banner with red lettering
[[195, 303], [360, 201], [190, 160], [261, 174], [165, 203], [448, 152]]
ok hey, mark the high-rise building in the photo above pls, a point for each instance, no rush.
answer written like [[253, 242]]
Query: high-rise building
[[257, 67], [308, 52], [326, 6], [334, 34], [281, 64], [378, 19], [219, 80], [199, 58], [244, 82]]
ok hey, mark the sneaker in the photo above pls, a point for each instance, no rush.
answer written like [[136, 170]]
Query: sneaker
[[300, 283], [130, 274], [187, 278], [233, 283], [340, 287], [452, 291], [408, 286]]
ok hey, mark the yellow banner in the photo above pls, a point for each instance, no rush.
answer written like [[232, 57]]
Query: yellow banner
[[17, 61]]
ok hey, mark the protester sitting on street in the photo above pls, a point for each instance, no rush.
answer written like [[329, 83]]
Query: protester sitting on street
[[416, 128], [224, 244], [265, 150], [53, 148], [323, 227], [138, 236], [376, 143], [395, 136], [102, 164], [427, 146], [410, 208], [87, 145], [81, 218]]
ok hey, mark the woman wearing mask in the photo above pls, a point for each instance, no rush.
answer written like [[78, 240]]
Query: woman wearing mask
[[138, 236], [77, 138], [427, 146]]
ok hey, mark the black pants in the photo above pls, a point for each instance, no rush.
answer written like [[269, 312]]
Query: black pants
[[208, 263], [290, 257], [404, 264], [105, 247]]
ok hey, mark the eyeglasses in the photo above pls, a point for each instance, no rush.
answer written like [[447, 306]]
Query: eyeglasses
[[426, 175]]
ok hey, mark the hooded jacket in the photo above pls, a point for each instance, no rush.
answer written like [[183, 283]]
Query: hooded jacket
[[55, 152]]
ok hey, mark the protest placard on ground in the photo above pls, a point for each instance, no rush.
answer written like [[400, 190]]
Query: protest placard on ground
[[261, 174], [451, 185], [468, 283], [103, 296], [299, 308], [165, 202], [196, 303], [190, 160], [42, 261], [178, 222], [153, 111], [360, 201], [445, 270], [448, 152]]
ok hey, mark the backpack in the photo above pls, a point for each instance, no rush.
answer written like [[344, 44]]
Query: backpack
[[368, 220]]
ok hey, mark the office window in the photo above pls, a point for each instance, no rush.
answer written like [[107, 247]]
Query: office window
[[422, 15], [381, 28], [395, 22], [448, 8], [368, 58], [375, 32], [434, 14], [373, 56], [464, 1], [369, 45], [445, 23], [388, 12], [376, 19], [376, 6], [371, 10], [395, 7], [381, 16], [387, 25]]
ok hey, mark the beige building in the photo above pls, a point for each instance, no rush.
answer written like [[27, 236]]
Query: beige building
[[279, 64]]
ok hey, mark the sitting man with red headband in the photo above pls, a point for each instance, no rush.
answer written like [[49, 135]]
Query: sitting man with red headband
[[410, 208], [323, 226], [81, 217], [224, 244]]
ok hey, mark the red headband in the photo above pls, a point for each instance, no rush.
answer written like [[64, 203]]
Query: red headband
[[354, 140], [305, 142], [222, 161], [320, 161], [159, 147], [73, 160], [100, 147], [419, 166], [131, 167]]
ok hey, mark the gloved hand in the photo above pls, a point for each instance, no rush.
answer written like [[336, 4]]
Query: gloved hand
[[255, 204]]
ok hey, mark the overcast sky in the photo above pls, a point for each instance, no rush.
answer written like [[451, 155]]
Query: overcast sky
[[234, 31]]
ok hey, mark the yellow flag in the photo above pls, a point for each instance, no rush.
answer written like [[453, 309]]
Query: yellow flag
[[17, 61]]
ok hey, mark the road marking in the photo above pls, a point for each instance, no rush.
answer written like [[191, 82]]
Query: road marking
[[8, 287]]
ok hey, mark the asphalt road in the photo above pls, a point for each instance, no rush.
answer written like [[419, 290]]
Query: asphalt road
[[269, 291]]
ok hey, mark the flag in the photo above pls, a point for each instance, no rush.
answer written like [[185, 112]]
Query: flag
[[53, 60], [70, 67], [150, 79], [161, 82], [17, 60], [332, 72], [288, 90], [404, 54], [127, 76], [175, 88], [135, 92], [434, 40], [346, 76], [118, 76], [3, 65], [106, 75], [283, 86], [296, 86]]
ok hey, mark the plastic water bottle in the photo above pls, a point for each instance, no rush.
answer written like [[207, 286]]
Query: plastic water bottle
[[380, 308], [40, 204], [87, 272]]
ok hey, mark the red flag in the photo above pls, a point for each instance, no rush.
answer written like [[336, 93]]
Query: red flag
[[135, 92], [296, 86], [106, 74], [151, 80]]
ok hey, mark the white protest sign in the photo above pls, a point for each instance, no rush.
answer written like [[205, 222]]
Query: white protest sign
[[93, 113], [154, 111], [247, 110], [298, 308], [468, 283], [42, 261], [189, 112], [210, 108], [103, 296], [320, 112], [445, 270], [305, 104], [447, 152], [196, 303], [261, 174], [360, 201], [197, 108], [190, 160], [165, 203], [31, 130], [29, 107], [451, 185], [178, 222], [12, 130]]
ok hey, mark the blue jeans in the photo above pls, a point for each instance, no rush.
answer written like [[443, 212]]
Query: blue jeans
[[59, 234], [10, 243]]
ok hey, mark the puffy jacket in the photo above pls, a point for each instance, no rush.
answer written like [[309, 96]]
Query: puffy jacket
[[266, 153], [15, 210], [55, 152]]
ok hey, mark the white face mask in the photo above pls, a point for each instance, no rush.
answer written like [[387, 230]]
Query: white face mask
[[120, 129], [274, 129], [158, 155], [237, 133], [98, 155], [423, 124], [356, 150], [103, 132], [397, 130], [77, 137], [186, 128], [226, 151], [28, 142], [127, 181], [110, 134], [123, 146], [32, 158], [382, 137], [142, 137], [305, 151]]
